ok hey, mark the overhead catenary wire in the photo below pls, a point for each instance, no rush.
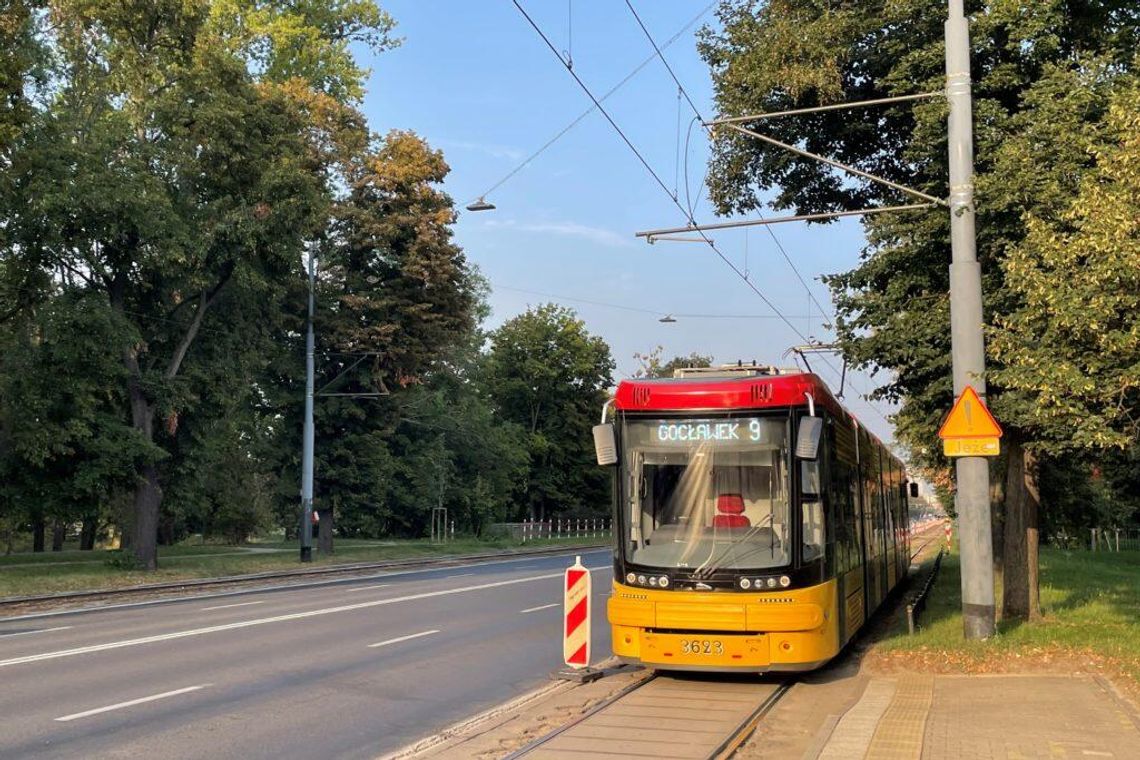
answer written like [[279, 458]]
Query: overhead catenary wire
[[638, 309], [697, 115], [577, 120], [660, 183]]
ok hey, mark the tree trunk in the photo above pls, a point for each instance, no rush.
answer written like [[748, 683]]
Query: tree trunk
[[1020, 597], [325, 536], [148, 492], [58, 533], [87, 534], [38, 528], [148, 497], [997, 510]]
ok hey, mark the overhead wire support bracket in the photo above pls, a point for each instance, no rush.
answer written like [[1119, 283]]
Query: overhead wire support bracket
[[838, 165], [818, 109], [669, 238], [652, 236]]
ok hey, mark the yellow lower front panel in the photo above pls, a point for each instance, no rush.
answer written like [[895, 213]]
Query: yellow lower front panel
[[779, 630]]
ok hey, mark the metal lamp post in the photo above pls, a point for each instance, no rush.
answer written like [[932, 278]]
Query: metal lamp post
[[307, 443]]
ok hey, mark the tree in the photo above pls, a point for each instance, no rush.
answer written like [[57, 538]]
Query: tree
[[1070, 349], [1042, 75], [64, 450], [652, 365], [547, 374], [172, 173], [396, 298]]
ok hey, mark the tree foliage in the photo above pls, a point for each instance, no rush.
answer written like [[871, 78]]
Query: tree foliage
[[652, 365], [549, 376], [1072, 344]]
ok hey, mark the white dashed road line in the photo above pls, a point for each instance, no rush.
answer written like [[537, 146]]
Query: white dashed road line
[[367, 588], [228, 606], [536, 609], [131, 703], [29, 633], [402, 638]]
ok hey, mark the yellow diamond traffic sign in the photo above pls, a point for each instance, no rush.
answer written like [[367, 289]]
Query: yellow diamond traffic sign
[[969, 419], [970, 430]]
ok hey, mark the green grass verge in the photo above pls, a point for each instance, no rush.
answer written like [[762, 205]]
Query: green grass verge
[[1090, 603], [52, 572]]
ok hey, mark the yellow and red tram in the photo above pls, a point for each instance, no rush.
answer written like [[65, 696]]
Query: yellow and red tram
[[758, 524]]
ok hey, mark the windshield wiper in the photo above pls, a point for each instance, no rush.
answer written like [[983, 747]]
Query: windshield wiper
[[711, 565]]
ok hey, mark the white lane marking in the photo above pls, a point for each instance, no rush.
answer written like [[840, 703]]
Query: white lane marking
[[29, 633], [132, 703], [460, 575], [227, 606], [536, 609], [367, 588], [265, 621], [402, 638]]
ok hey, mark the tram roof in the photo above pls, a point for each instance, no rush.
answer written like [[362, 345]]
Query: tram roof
[[729, 387], [749, 391], [724, 390], [750, 388]]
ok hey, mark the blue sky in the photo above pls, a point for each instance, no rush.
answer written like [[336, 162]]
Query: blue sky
[[478, 82]]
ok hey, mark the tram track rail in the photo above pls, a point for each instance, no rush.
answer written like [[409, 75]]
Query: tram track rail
[[718, 718]]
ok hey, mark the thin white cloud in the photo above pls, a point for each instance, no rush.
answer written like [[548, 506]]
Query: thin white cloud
[[596, 235], [490, 149]]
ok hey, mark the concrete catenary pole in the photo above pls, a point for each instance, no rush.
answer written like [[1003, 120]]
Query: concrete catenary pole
[[966, 338], [307, 443]]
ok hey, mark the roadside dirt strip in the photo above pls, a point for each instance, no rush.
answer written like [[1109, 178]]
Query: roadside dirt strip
[[15, 606]]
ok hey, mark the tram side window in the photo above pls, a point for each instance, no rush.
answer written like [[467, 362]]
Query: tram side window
[[812, 511], [846, 519]]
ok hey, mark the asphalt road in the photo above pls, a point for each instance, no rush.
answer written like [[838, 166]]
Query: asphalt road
[[352, 669]]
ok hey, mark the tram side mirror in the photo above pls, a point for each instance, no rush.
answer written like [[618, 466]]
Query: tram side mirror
[[605, 446], [807, 439], [913, 490]]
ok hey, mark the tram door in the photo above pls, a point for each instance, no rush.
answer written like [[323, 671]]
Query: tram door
[[872, 521], [848, 526]]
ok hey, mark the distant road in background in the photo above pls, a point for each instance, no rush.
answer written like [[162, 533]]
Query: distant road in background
[[347, 670]]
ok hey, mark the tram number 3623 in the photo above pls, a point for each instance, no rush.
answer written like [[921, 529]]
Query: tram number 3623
[[701, 646]]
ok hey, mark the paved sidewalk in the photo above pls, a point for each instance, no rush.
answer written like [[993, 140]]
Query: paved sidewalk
[[999, 717]]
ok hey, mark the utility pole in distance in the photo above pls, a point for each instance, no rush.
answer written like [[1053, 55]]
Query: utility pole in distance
[[307, 443], [966, 333]]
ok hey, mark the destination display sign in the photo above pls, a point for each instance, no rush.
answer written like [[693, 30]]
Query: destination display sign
[[740, 431]]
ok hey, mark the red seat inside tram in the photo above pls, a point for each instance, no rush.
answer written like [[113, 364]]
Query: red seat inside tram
[[730, 512]]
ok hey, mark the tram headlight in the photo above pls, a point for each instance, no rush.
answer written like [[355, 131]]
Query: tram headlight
[[785, 581], [641, 579], [771, 583], [745, 583], [663, 581], [653, 580], [631, 578]]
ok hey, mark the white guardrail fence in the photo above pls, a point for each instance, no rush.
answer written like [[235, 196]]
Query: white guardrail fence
[[565, 527]]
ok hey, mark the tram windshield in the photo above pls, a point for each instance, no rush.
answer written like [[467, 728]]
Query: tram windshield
[[706, 494]]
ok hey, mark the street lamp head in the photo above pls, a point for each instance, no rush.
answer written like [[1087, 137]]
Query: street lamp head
[[667, 319], [480, 205]]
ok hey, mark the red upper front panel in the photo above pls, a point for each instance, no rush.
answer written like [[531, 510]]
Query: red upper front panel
[[697, 394]]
